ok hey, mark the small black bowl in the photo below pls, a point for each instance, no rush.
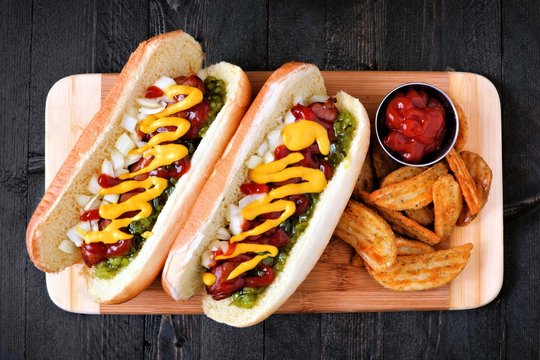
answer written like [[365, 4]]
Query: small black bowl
[[452, 123]]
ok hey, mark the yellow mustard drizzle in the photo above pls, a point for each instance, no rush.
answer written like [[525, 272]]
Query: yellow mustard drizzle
[[153, 186], [296, 136]]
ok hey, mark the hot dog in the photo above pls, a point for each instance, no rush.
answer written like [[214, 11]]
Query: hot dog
[[273, 201], [127, 186]]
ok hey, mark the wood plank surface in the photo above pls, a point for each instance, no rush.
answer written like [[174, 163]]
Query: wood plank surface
[[334, 285]]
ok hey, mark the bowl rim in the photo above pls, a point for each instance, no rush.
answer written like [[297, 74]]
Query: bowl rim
[[453, 110]]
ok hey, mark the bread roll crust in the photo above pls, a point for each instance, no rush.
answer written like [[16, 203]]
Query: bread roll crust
[[171, 54], [181, 275]]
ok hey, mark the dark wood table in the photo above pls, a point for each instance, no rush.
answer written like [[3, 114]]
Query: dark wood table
[[43, 41]]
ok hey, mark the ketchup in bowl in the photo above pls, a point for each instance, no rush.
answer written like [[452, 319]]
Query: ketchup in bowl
[[416, 124]]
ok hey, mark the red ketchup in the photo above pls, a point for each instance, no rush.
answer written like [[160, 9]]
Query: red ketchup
[[153, 92], [416, 123]]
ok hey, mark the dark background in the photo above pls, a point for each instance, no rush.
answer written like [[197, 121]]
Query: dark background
[[43, 41]]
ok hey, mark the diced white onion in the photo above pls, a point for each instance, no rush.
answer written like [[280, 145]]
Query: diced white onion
[[289, 118], [223, 234], [141, 116], [111, 198], [121, 172], [207, 259], [74, 236], [135, 138], [268, 157], [232, 210], [166, 99], [85, 226], [249, 199], [151, 111], [148, 103], [107, 168], [262, 149], [132, 159], [254, 161], [274, 139], [217, 245], [236, 224], [94, 225], [82, 200], [318, 98], [164, 82], [67, 247], [129, 123], [93, 203], [298, 100], [117, 160], [93, 185], [124, 144]]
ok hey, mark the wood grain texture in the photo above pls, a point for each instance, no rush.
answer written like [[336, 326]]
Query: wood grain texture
[[334, 285]]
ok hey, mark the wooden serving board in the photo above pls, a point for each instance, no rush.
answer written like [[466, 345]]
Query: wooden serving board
[[334, 285]]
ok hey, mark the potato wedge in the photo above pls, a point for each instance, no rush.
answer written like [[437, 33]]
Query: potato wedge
[[411, 247], [463, 128], [402, 224], [447, 205], [482, 176], [366, 181], [382, 163], [424, 271], [424, 216], [414, 193], [465, 180], [357, 261], [401, 174], [369, 234]]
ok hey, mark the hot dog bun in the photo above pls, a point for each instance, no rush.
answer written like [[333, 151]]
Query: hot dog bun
[[172, 54], [182, 273]]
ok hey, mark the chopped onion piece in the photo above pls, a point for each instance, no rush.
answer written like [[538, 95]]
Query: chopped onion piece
[[274, 139], [141, 117], [207, 259], [124, 144], [298, 100], [94, 225], [111, 198], [223, 234], [216, 245], [165, 99], [318, 98], [93, 203], [82, 200], [262, 149], [268, 157], [93, 185], [67, 247], [117, 160], [289, 118], [164, 82], [84, 227], [148, 103], [253, 162], [129, 123], [107, 168], [236, 224], [74, 236], [132, 159], [232, 210], [148, 111], [249, 199]]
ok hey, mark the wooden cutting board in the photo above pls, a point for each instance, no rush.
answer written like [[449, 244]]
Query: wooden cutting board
[[334, 285]]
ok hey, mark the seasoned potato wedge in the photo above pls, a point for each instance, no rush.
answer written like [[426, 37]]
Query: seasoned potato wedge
[[447, 205], [465, 180], [463, 128], [482, 176], [369, 234], [401, 174], [413, 193], [402, 224], [382, 163], [366, 181], [424, 271], [424, 216], [411, 247]]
